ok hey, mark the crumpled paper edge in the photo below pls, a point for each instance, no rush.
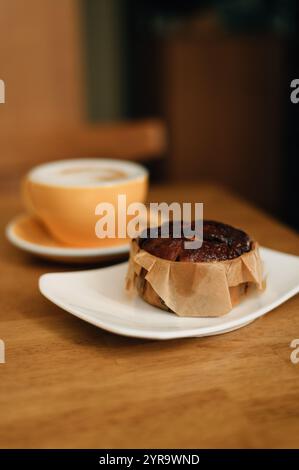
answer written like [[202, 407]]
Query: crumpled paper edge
[[195, 289]]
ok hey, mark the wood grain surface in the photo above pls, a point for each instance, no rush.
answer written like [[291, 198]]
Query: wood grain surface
[[68, 384]]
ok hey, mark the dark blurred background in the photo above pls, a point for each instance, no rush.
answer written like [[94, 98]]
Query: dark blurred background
[[204, 85]]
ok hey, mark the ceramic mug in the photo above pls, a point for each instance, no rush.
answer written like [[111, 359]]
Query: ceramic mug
[[63, 195]]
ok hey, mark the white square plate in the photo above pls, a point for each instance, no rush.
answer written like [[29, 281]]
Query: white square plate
[[98, 297]]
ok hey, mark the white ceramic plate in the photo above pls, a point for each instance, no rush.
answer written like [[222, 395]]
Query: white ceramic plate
[[28, 234], [98, 297]]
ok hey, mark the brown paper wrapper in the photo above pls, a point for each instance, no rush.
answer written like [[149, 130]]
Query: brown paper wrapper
[[193, 289]]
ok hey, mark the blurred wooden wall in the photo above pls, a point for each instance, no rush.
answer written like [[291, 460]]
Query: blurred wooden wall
[[40, 62], [224, 98]]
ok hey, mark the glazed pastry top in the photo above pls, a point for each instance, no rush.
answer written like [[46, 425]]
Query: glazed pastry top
[[220, 242]]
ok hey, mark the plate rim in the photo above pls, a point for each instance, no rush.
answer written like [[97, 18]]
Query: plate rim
[[58, 251]]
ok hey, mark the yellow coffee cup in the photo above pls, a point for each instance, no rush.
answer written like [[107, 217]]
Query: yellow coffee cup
[[64, 195]]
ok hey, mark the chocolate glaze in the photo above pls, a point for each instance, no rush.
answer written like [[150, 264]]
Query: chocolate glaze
[[220, 242]]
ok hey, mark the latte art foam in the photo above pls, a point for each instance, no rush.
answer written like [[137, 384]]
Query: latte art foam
[[86, 172], [88, 175]]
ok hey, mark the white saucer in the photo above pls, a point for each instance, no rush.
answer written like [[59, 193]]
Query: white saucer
[[98, 297], [27, 233]]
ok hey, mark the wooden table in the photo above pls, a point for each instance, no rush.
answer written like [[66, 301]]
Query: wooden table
[[68, 384]]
